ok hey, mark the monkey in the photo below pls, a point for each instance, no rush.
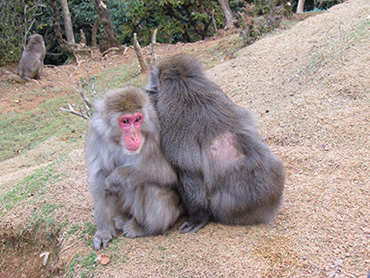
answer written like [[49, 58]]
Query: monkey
[[226, 173], [131, 182], [32, 61]]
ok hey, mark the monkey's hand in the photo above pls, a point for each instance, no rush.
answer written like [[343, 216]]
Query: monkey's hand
[[194, 223], [102, 237], [117, 181]]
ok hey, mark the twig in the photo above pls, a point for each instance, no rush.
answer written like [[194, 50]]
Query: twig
[[86, 100], [74, 112], [153, 44], [143, 65]]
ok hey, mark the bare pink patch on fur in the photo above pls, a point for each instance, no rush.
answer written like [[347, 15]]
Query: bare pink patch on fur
[[224, 149]]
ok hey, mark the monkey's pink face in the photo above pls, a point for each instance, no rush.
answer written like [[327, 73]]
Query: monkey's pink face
[[131, 134]]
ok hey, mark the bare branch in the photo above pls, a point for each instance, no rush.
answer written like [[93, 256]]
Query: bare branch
[[86, 100], [84, 109], [120, 50], [74, 112], [143, 65], [153, 44]]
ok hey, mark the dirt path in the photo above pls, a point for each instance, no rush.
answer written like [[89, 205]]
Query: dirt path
[[309, 89]]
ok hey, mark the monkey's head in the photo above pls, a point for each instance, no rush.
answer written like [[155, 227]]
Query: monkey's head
[[124, 110], [173, 68], [37, 38]]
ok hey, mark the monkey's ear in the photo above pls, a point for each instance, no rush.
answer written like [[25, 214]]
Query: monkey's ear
[[153, 85]]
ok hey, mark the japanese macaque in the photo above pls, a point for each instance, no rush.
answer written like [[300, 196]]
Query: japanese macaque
[[226, 173], [32, 61], [132, 184]]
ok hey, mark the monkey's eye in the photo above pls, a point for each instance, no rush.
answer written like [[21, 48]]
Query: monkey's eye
[[125, 121], [138, 119]]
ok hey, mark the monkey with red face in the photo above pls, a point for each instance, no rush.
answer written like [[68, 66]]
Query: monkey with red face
[[131, 182]]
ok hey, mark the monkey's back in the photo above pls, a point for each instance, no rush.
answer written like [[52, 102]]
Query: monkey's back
[[32, 60]]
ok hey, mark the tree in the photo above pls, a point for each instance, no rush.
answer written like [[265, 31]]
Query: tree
[[108, 38], [300, 6], [192, 18], [18, 20], [74, 50], [67, 21], [231, 21]]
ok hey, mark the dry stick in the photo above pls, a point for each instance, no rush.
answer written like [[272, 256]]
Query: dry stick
[[86, 100], [214, 20], [72, 111], [143, 65], [153, 44]]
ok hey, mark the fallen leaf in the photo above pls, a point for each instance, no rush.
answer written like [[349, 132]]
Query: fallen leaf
[[103, 259]]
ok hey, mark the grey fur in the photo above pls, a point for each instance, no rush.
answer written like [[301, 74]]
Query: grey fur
[[32, 60], [132, 192], [226, 173]]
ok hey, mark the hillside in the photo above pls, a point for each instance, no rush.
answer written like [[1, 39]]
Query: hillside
[[309, 88]]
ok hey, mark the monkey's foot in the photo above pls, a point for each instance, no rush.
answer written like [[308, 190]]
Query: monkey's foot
[[120, 220], [132, 229], [194, 223], [102, 237]]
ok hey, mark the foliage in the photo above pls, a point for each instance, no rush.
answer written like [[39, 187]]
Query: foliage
[[176, 20], [261, 17], [17, 19], [185, 21], [320, 5]]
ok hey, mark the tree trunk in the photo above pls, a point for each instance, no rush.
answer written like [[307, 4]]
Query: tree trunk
[[153, 44], [56, 19], [109, 38], [230, 19], [67, 21], [300, 6], [66, 47], [94, 32]]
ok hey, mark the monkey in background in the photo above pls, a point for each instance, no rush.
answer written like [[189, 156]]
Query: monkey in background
[[132, 184], [32, 61], [225, 172]]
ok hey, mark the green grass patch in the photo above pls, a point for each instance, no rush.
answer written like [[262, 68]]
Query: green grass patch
[[31, 187], [119, 76], [87, 263], [43, 220], [22, 131], [225, 48]]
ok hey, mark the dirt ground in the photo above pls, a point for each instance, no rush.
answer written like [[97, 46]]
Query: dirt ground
[[309, 88]]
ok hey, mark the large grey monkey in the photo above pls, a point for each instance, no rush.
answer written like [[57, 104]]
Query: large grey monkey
[[226, 173], [131, 182]]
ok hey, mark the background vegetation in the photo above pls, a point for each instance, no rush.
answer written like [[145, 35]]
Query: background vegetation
[[176, 20]]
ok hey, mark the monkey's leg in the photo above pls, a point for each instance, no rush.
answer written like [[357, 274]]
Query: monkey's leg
[[104, 210], [193, 193], [132, 229], [120, 220]]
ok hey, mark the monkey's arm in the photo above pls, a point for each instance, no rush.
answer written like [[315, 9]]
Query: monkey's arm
[[192, 190], [127, 177], [103, 211]]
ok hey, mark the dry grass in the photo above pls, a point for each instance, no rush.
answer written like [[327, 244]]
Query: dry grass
[[314, 81]]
